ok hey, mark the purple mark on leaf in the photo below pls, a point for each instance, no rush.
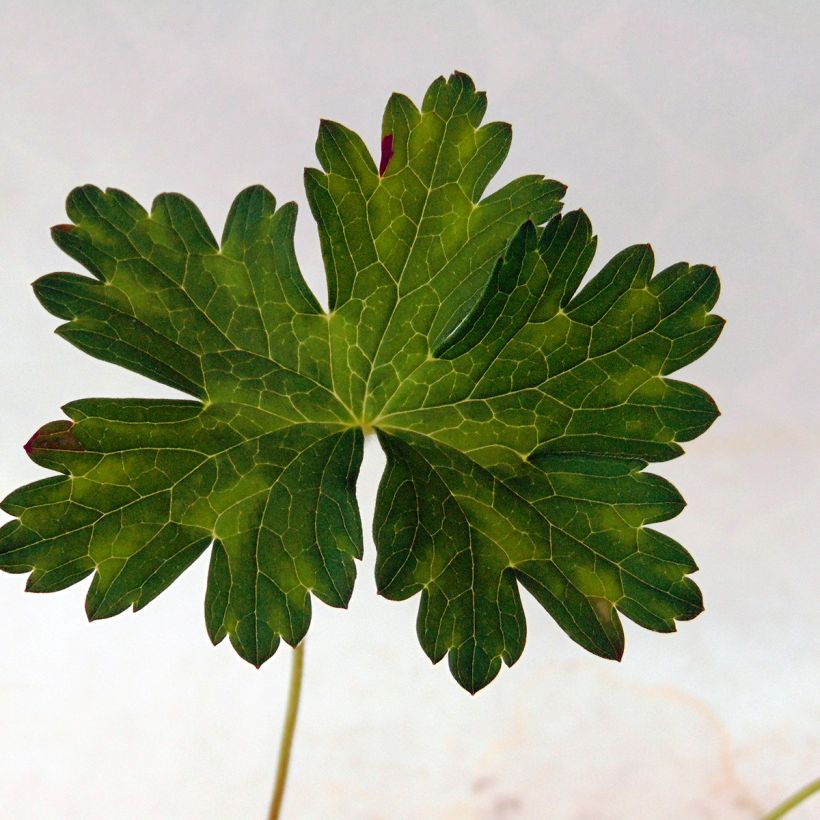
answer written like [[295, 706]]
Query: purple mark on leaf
[[387, 153], [56, 435]]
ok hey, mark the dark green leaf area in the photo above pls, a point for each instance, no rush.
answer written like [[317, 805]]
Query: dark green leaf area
[[518, 400], [534, 369], [569, 529], [150, 485]]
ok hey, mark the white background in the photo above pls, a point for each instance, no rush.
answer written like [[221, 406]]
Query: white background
[[695, 126]]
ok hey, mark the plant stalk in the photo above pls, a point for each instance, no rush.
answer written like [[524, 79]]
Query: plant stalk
[[286, 743], [795, 800]]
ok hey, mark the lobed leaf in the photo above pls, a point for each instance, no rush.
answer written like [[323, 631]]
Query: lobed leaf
[[517, 409]]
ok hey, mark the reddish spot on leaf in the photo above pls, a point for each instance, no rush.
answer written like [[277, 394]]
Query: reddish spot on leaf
[[56, 435], [387, 153], [62, 228]]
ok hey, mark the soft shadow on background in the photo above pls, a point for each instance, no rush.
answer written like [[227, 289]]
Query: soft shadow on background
[[695, 126]]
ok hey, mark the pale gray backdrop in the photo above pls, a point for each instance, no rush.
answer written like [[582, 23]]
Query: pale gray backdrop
[[695, 126]]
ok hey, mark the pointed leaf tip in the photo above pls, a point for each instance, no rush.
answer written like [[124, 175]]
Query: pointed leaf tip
[[56, 435]]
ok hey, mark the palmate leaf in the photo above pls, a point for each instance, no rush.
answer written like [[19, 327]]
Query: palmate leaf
[[517, 411]]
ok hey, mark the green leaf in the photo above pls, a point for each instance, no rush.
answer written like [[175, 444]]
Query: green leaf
[[516, 408]]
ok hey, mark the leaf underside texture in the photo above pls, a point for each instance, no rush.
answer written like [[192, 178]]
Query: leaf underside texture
[[517, 408]]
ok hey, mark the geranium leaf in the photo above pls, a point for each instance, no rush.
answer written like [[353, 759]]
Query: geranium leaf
[[517, 409]]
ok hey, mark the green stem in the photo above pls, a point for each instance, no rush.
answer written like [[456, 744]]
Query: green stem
[[795, 800], [285, 745]]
